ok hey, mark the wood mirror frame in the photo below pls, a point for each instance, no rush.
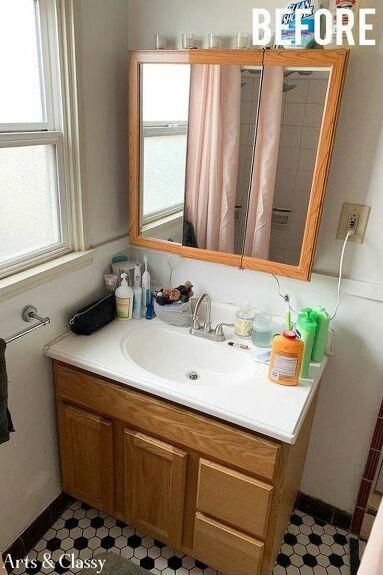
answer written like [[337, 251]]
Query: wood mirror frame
[[333, 60]]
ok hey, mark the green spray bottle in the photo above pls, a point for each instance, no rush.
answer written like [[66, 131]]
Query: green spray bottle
[[306, 328], [320, 342]]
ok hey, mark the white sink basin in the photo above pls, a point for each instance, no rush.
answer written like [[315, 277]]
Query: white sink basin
[[173, 354]]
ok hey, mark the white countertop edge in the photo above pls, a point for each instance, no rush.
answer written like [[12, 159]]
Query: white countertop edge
[[180, 399]]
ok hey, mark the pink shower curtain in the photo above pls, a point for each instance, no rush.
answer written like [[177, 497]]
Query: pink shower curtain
[[257, 241], [213, 152]]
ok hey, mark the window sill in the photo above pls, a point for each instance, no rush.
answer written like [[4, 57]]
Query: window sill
[[24, 281]]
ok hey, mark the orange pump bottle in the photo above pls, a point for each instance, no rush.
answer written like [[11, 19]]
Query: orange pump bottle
[[286, 359]]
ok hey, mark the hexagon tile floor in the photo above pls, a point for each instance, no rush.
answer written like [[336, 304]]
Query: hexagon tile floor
[[311, 547]]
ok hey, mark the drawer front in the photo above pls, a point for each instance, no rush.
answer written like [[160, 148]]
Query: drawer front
[[177, 425], [225, 549], [234, 498]]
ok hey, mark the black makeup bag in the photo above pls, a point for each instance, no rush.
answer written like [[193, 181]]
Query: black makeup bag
[[94, 316]]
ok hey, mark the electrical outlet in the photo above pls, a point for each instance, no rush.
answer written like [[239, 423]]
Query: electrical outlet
[[353, 217]]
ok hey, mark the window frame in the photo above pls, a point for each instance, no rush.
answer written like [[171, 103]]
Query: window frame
[[55, 20], [153, 130]]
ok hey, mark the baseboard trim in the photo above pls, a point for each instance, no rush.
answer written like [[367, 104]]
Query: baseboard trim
[[32, 534], [323, 511]]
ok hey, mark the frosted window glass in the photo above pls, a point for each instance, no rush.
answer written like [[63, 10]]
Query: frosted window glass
[[29, 204], [21, 99], [164, 172], [165, 94]]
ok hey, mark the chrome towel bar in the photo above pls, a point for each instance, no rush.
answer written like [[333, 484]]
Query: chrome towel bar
[[29, 314]]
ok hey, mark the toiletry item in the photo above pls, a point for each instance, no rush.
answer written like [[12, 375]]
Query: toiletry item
[[124, 267], [289, 20], [146, 293], [124, 299], [159, 42], [150, 313], [238, 345], [322, 319], [188, 41], [242, 41], [286, 359], [262, 330], [137, 293], [94, 316], [214, 41], [335, 6], [306, 328], [111, 282], [244, 319]]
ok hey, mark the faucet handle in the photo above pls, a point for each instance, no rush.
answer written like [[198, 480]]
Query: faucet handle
[[219, 329]]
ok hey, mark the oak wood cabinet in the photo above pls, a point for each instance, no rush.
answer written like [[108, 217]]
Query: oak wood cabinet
[[86, 447], [154, 476], [207, 488]]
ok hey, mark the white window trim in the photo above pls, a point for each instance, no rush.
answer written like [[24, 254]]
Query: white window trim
[[57, 16], [152, 130]]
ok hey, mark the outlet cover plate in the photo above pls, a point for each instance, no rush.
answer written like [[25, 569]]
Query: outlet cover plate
[[353, 216]]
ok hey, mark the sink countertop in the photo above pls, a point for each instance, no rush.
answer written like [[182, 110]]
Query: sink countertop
[[256, 403]]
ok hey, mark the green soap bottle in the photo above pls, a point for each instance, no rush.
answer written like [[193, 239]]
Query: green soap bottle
[[306, 329], [320, 342]]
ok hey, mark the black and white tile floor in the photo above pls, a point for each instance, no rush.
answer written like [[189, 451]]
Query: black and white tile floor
[[310, 547]]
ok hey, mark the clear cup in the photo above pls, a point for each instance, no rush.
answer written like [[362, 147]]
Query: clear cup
[[159, 42], [214, 41], [188, 41], [242, 41], [262, 330]]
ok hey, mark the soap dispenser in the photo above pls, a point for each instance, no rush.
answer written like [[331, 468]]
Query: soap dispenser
[[124, 299]]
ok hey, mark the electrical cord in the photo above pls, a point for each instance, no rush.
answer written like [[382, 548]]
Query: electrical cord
[[286, 297], [349, 234]]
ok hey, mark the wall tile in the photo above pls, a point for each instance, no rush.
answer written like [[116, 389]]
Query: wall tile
[[317, 91], [291, 136], [294, 114], [288, 158], [310, 138], [313, 115], [299, 94], [307, 159]]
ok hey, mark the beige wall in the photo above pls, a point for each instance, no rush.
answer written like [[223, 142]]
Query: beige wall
[[352, 386]]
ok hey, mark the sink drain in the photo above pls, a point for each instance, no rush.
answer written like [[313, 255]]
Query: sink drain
[[192, 375]]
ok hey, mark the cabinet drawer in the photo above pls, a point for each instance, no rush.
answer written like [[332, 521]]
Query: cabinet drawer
[[225, 549], [233, 498]]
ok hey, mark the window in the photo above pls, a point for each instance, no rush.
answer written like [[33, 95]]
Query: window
[[34, 202], [165, 111]]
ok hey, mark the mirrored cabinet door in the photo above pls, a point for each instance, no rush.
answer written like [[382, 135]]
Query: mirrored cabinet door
[[197, 138], [290, 117]]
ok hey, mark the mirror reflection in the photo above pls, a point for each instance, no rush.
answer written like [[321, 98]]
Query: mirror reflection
[[290, 118], [228, 156]]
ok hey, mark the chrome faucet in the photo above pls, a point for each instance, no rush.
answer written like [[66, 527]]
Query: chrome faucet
[[206, 331]]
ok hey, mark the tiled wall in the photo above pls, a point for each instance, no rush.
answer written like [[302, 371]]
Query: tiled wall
[[373, 459], [301, 122]]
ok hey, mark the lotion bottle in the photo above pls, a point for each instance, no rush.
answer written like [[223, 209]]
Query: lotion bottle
[[124, 300]]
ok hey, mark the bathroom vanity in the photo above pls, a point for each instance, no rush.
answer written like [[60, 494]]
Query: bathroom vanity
[[211, 467]]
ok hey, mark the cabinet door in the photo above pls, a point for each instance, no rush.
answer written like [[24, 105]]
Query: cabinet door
[[87, 457], [154, 486]]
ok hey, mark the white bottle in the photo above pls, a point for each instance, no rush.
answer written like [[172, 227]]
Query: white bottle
[[335, 6], [124, 300], [137, 293], [145, 287]]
